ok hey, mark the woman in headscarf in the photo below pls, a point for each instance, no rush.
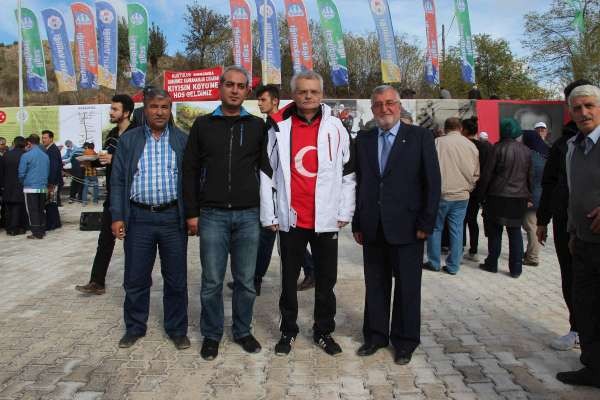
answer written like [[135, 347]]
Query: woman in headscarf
[[539, 155], [506, 186]]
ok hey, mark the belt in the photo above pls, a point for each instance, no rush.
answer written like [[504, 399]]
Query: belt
[[153, 208]]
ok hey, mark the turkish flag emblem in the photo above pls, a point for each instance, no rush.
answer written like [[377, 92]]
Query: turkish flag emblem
[[2, 117]]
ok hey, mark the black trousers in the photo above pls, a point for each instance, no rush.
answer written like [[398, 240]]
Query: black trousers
[[76, 188], [561, 244], [104, 251], [586, 295], [324, 248], [471, 223], [16, 217], [35, 204], [382, 262]]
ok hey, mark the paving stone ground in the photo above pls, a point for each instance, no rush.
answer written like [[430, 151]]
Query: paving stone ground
[[484, 336]]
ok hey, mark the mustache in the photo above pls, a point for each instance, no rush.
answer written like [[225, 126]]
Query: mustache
[[584, 119]]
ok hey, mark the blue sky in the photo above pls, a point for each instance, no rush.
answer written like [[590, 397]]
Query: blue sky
[[499, 18]]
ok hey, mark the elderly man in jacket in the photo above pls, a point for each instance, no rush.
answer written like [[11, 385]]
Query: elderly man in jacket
[[398, 192], [312, 174], [583, 177], [146, 205]]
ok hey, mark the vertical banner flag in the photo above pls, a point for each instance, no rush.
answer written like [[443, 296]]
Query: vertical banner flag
[[106, 19], [60, 48], [33, 53], [432, 64], [390, 69], [242, 34], [466, 42], [579, 19], [85, 43], [269, 42], [299, 35], [138, 43], [331, 28]]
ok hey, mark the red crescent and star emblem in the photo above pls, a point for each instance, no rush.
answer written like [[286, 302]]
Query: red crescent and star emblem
[[299, 162]]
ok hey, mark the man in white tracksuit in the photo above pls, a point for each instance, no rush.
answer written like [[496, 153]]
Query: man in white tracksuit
[[308, 194]]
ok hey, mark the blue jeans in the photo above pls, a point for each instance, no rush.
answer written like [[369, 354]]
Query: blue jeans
[[265, 250], [223, 233], [147, 232], [455, 212], [87, 182]]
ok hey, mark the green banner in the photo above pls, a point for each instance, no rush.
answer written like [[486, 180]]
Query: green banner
[[331, 28], [138, 43], [578, 19], [33, 52], [461, 10]]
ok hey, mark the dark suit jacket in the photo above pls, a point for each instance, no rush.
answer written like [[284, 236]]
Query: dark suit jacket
[[9, 177], [55, 175], [406, 198]]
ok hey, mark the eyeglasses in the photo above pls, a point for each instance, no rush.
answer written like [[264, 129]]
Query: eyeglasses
[[388, 104]]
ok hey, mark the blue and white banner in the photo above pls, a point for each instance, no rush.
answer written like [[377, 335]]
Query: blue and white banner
[[106, 24], [270, 54], [390, 69], [60, 48]]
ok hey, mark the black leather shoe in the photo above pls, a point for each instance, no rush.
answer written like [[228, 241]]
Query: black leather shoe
[[129, 340], [368, 349], [429, 266], [583, 377], [402, 357], [249, 344], [487, 268], [210, 349], [181, 342]]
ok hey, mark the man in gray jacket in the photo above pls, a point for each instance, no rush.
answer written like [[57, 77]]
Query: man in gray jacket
[[583, 175]]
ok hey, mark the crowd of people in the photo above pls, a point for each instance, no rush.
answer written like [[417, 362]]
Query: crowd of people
[[238, 182]]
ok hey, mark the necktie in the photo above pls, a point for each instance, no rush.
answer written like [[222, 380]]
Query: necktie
[[385, 150]]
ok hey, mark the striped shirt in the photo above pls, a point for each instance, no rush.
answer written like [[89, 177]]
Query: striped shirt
[[155, 181]]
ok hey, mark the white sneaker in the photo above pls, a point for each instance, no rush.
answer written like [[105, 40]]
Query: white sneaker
[[567, 342], [472, 257]]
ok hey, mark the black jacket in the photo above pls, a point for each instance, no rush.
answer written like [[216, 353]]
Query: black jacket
[[484, 149], [9, 180], [508, 172], [222, 161], [555, 190], [55, 175]]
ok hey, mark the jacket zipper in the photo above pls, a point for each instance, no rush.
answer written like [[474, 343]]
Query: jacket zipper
[[229, 171], [329, 142]]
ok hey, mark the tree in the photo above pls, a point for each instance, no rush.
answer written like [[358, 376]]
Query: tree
[[561, 49], [157, 46], [123, 68], [499, 73], [208, 36]]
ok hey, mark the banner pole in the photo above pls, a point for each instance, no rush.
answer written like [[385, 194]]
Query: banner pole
[[21, 110]]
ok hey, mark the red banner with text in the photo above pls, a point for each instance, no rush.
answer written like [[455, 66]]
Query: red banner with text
[[201, 84], [242, 34], [299, 35]]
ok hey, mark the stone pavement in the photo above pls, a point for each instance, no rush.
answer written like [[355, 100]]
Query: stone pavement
[[484, 336]]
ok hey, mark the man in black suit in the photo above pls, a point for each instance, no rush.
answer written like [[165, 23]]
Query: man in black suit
[[55, 181], [398, 191]]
